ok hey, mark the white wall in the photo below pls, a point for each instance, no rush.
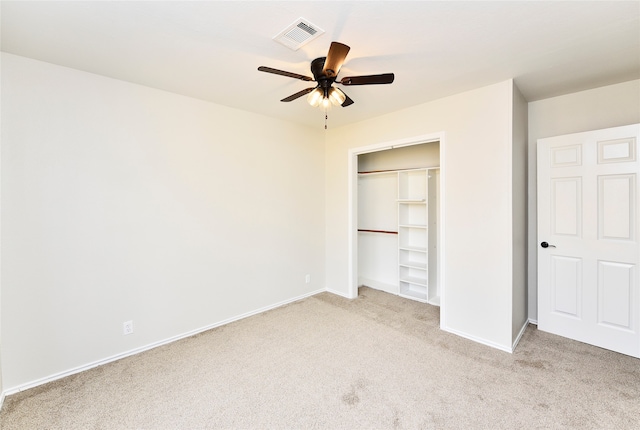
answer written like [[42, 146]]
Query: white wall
[[519, 214], [476, 170], [604, 107], [121, 202], [1, 383]]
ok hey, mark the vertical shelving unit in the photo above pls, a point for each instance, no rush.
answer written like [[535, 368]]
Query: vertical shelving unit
[[413, 255], [433, 237]]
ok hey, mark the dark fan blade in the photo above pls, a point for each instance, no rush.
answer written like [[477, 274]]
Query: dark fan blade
[[385, 78], [347, 101], [283, 73], [299, 94], [337, 53]]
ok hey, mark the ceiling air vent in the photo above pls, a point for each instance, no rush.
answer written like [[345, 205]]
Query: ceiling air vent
[[298, 34]]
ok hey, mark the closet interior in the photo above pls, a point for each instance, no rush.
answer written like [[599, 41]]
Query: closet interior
[[398, 210]]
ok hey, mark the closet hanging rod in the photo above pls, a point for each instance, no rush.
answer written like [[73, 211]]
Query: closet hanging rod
[[378, 231]]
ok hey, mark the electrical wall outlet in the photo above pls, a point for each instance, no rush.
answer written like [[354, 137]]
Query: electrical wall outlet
[[127, 327], [307, 279]]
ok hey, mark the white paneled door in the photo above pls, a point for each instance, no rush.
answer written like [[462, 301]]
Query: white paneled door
[[588, 248]]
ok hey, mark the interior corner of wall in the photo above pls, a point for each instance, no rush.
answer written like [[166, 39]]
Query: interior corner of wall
[[519, 335]]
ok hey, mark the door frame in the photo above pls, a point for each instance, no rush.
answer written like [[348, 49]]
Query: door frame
[[353, 207]]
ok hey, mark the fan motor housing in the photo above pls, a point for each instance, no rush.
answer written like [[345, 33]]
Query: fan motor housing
[[317, 67]]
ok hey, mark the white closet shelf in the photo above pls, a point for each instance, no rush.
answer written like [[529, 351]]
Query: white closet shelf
[[414, 281], [411, 200], [413, 248], [379, 172], [414, 265]]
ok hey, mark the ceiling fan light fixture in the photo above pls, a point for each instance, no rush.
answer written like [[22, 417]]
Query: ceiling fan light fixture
[[336, 96], [315, 97], [325, 104]]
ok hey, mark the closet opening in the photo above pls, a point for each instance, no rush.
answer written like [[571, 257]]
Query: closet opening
[[397, 220]]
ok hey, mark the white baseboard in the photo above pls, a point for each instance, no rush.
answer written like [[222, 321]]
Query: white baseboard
[[489, 343], [2, 396], [377, 285], [347, 296], [153, 345], [532, 321], [478, 340], [522, 330], [338, 293]]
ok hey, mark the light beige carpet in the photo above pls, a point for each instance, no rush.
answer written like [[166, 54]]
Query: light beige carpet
[[377, 362]]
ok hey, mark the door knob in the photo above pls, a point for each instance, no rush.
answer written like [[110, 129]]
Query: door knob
[[546, 245]]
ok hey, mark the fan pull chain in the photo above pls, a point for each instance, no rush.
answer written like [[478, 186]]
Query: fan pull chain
[[326, 116]]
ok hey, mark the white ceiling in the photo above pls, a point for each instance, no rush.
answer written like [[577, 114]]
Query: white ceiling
[[211, 49]]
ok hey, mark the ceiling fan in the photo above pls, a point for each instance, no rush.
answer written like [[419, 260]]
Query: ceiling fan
[[325, 72]]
